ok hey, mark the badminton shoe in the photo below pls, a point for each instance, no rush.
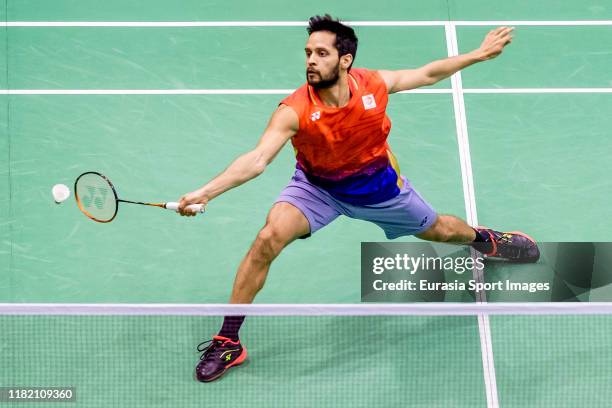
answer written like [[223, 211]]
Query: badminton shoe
[[218, 355], [512, 246]]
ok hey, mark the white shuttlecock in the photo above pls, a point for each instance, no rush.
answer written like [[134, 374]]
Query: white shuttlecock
[[60, 193]]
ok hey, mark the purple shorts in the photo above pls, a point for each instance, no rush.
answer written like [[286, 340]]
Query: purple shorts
[[406, 214]]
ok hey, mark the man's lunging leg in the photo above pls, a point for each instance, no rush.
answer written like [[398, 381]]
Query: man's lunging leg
[[284, 224], [513, 246]]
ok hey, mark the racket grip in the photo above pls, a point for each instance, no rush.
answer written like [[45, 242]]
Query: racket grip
[[194, 207]]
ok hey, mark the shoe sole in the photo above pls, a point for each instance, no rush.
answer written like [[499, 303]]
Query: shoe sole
[[237, 362]]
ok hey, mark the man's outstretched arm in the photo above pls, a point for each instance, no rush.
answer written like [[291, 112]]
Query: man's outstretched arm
[[436, 71], [282, 126]]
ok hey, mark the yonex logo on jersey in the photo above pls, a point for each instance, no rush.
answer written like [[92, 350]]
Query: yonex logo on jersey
[[368, 101], [315, 116]]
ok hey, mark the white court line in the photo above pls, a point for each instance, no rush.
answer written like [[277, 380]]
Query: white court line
[[286, 91], [536, 90], [535, 23], [146, 91], [400, 23], [462, 134], [177, 91], [359, 309], [484, 327]]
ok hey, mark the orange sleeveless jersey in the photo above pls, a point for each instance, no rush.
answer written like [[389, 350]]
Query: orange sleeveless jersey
[[344, 150]]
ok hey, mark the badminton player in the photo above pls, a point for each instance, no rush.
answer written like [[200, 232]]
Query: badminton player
[[338, 126]]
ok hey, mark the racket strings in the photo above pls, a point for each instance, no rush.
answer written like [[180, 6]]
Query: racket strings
[[96, 197]]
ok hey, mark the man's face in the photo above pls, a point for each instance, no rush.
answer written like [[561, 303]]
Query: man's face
[[322, 60]]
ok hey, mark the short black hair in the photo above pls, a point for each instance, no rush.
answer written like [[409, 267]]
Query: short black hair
[[346, 40]]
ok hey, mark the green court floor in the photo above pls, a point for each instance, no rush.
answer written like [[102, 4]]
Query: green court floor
[[540, 164]]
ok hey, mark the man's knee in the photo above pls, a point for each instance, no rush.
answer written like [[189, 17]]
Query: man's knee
[[268, 244], [284, 224]]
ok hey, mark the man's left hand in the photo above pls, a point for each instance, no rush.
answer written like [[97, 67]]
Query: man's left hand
[[494, 43]]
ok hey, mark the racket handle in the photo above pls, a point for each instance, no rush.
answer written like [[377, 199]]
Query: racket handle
[[194, 207]]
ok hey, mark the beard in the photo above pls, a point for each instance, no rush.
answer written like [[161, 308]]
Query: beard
[[325, 82]]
